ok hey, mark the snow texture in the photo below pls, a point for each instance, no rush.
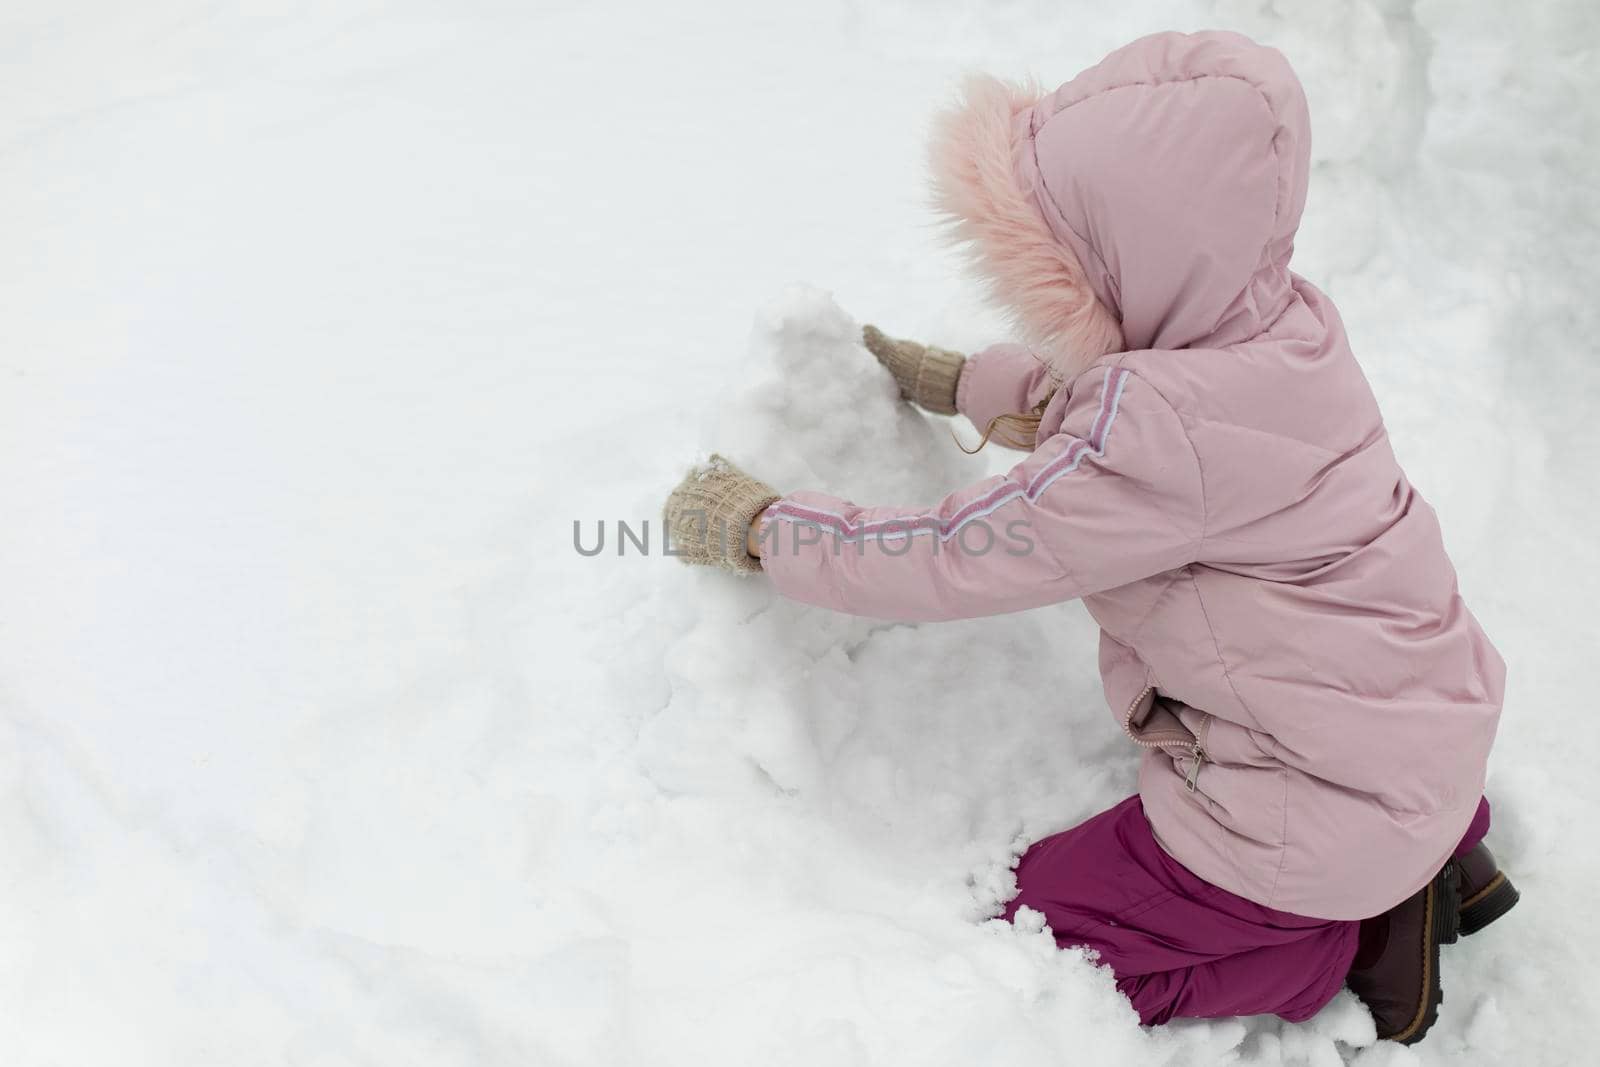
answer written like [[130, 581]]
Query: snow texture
[[320, 742]]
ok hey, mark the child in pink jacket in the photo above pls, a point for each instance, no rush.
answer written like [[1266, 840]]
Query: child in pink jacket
[[1208, 471]]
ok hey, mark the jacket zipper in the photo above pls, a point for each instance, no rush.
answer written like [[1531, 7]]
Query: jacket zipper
[[1194, 771], [1199, 753], [1127, 717], [1196, 750]]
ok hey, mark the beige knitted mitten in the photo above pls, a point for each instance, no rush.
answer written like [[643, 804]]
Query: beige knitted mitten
[[927, 376], [710, 512]]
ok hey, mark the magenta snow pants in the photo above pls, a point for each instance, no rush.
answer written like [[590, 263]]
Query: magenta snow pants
[[1179, 946]]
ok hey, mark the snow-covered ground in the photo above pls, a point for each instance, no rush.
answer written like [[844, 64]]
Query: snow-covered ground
[[322, 324]]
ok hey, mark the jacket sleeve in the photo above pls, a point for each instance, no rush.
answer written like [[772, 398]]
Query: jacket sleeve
[[1114, 497], [1001, 380]]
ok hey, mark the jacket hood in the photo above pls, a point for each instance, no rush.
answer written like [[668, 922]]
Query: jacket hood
[[1150, 202]]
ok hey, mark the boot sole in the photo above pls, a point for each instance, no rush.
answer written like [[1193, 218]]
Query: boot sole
[[1440, 920], [1488, 904]]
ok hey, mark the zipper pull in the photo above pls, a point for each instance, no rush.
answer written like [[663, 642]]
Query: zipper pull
[[1194, 771]]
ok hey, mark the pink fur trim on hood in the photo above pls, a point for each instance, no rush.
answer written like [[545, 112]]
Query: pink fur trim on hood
[[1028, 270]]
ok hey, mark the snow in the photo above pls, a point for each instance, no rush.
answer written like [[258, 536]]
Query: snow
[[320, 743]]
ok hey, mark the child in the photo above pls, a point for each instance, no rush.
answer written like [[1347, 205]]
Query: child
[[1280, 626]]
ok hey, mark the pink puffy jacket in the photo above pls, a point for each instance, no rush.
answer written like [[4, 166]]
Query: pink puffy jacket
[[1280, 625]]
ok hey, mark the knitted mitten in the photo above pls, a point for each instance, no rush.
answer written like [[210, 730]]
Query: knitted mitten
[[926, 375], [710, 512]]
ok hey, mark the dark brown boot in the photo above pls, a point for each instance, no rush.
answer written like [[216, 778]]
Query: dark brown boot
[[1396, 969], [1486, 893]]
